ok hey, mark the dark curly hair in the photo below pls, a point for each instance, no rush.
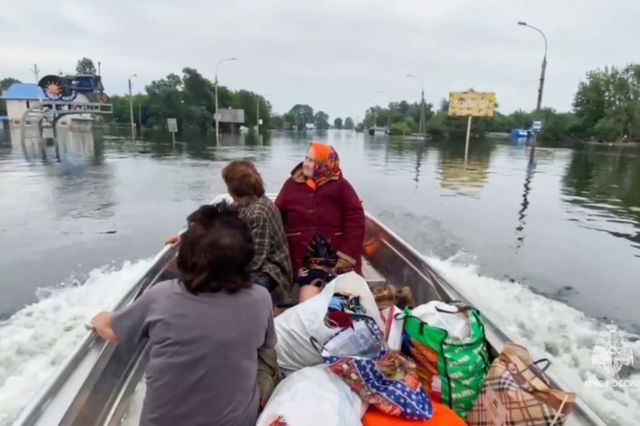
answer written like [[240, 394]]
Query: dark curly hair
[[216, 251]]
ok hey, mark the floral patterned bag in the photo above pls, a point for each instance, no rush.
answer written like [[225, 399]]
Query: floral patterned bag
[[383, 378]]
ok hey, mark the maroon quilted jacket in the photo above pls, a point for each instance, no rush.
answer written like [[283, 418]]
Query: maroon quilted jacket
[[333, 210]]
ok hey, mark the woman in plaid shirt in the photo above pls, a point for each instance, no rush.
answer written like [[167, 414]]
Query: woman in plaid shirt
[[271, 264]]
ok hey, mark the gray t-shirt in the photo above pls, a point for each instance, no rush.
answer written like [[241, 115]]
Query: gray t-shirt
[[203, 360]]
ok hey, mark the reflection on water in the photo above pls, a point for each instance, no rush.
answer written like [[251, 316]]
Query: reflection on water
[[107, 198], [465, 176], [602, 187], [522, 213]]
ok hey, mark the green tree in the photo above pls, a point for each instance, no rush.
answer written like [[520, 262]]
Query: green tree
[[321, 120], [85, 66], [5, 83], [303, 114], [276, 122], [348, 123], [288, 120], [400, 129], [436, 125], [166, 100], [337, 123], [607, 104], [248, 101]]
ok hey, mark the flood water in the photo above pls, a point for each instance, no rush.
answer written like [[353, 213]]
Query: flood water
[[564, 230], [569, 226]]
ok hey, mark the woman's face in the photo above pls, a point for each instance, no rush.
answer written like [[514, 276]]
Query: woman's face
[[309, 164]]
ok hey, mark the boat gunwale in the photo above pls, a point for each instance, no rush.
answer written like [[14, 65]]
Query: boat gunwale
[[39, 402]]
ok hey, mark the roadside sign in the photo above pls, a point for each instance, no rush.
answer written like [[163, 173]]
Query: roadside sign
[[217, 116], [472, 104], [172, 125], [231, 116], [537, 125]]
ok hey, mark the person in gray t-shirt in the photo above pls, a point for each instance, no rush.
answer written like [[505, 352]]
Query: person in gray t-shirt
[[204, 330]]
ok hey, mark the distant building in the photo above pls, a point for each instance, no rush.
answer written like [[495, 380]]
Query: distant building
[[310, 126], [22, 96]]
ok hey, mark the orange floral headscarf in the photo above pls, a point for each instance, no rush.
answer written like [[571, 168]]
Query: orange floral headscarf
[[327, 164]]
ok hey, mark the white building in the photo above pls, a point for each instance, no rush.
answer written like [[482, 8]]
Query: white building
[[22, 96]]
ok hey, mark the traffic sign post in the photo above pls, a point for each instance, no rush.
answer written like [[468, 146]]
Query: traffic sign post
[[172, 125]]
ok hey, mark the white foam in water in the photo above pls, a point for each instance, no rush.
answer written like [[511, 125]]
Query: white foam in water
[[560, 332], [36, 339]]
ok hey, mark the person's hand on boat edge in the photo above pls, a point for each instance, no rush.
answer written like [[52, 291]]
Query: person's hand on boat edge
[[172, 240], [101, 323]]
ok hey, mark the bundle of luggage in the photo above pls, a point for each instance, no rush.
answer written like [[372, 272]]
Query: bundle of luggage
[[352, 357]]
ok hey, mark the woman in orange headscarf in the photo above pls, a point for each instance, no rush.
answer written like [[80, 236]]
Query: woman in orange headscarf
[[323, 219]]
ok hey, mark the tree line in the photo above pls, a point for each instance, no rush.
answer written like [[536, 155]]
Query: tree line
[[190, 98], [301, 114], [606, 107]]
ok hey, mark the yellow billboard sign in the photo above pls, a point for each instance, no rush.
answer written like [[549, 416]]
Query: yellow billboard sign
[[472, 104]]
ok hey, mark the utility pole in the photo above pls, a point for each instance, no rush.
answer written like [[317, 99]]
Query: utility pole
[[422, 103], [217, 115], [544, 63], [35, 70], [543, 69], [133, 125], [390, 110], [258, 116], [99, 70]]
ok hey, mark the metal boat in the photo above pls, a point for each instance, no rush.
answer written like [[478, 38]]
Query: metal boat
[[94, 386]]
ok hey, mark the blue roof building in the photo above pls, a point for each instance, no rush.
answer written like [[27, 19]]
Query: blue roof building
[[22, 92]]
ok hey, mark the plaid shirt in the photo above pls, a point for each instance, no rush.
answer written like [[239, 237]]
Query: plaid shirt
[[269, 239]]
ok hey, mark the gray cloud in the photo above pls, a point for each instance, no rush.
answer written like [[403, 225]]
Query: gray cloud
[[334, 55]]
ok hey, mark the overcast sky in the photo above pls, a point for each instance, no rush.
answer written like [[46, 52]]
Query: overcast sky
[[333, 55]]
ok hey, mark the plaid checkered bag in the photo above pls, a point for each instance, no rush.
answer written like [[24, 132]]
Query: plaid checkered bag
[[516, 392]]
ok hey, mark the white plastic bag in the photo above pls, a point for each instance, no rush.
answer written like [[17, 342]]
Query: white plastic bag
[[297, 325], [393, 318], [313, 396], [444, 316]]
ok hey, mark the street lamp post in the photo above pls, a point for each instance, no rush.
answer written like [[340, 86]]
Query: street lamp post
[[258, 113], [544, 63], [540, 88], [133, 129], [217, 115], [422, 118]]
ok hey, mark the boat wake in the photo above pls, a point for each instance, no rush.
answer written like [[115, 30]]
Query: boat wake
[[36, 339], [551, 328]]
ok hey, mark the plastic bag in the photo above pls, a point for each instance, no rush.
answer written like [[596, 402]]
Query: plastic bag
[[313, 396], [451, 369], [296, 326], [393, 319], [385, 379], [444, 316]]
